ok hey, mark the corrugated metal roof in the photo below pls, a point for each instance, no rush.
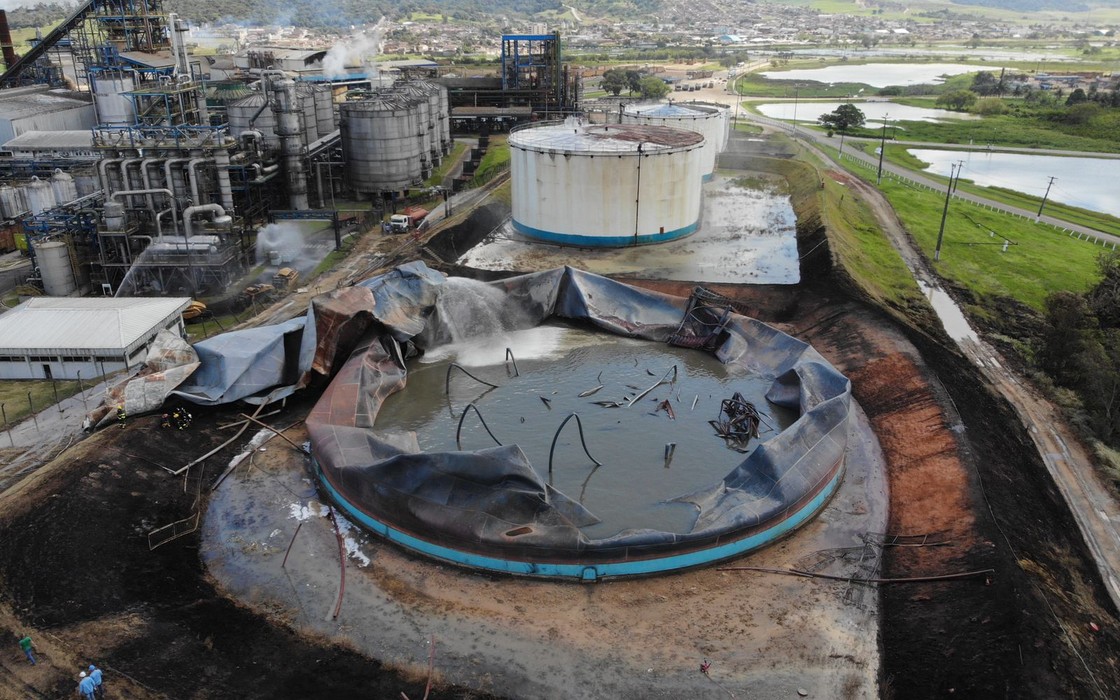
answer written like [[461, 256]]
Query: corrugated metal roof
[[84, 324], [604, 138], [82, 138], [162, 59], [26, 101]]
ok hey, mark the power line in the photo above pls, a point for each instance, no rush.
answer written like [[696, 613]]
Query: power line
[[1040, 206]]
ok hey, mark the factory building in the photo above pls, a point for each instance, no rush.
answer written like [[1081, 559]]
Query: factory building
[[43, 108], [70, 338]]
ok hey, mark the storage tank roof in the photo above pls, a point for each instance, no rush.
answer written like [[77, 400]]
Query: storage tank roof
[[673, 111], [380, 102], [604, 138]]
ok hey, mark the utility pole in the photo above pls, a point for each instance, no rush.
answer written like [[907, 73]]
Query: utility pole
[[882, 149], [944, 213], [957, 182], [795, 111], [1040, 206]]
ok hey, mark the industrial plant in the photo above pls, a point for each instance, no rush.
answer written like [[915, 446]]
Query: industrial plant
[[128, 168]]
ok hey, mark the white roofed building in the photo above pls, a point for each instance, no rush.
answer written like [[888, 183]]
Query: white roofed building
[[58, 337]]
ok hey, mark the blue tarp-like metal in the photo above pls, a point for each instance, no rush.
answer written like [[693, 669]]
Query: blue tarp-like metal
[[490, 508]]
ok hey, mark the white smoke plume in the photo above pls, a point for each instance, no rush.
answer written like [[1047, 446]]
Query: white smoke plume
[[358, 49]]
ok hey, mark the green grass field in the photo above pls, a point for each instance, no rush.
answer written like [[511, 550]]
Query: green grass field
[[495, 161], [1040, 260], [13, 396]]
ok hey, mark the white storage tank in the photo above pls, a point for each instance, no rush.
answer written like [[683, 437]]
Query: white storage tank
[[86, 181], [114, 108], [606, 184], [709, 122], [240, 115], [381, 143], [441, 119], [40, 196], [64, 187], [13, 201], [54, 268]]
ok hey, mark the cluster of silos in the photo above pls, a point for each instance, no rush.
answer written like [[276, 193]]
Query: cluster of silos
[[707, 120], [255, 112], [605, 185], [38, 195], [393, 139]]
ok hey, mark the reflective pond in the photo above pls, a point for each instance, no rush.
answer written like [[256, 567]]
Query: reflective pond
[[1089, 183], [878, 74], [873, 111]]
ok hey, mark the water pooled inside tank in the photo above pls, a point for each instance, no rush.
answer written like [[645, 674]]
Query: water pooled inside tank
[[556, 363]]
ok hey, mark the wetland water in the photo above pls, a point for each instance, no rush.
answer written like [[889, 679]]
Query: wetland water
[[872, 111], [556, 364], [1089, 183], [879, 74]]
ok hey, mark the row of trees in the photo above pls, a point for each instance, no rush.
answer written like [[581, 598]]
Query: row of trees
[[1080, 348], [648, 87]]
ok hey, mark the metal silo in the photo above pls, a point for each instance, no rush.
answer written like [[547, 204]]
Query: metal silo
[[324, 110], [380, 143], [13, 201], [64, 187], [241, 113], [54, 268], [709, 122], [40, 196], [605, 185], [441, 120], [308, 113], [426, 128], [114, 107]]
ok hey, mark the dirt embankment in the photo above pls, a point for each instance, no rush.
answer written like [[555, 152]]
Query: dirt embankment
[[963, 470], [77, 573]]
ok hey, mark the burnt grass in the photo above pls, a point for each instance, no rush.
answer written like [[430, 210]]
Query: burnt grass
[[79, 553]]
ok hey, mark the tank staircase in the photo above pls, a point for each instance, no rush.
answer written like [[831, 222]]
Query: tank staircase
[[11, 77]]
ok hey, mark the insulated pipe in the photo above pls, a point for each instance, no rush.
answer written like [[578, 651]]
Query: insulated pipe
[[170, 182], [156, 190], [102, 168], [192, 169], [189, 213], [126, 182], [225, 190], [147, 181]]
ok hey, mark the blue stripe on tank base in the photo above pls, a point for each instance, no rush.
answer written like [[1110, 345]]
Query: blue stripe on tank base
[[592, 241], [587, 572]]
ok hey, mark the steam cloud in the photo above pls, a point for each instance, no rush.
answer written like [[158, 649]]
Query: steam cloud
[[357, 49]]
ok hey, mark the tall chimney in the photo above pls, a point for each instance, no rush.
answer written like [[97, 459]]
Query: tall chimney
[[6, 41]]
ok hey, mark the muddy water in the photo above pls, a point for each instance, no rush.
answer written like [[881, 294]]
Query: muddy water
[[629, 435], [747, 235]]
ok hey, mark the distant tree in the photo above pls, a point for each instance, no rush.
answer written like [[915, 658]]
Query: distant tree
[[1065, 340], [960, 100], [1076, 97], [985, 83], [652, 88], [634, 81], [845, 117], [614, 81]]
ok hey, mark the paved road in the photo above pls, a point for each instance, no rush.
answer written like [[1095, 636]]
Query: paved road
[[834, 141]]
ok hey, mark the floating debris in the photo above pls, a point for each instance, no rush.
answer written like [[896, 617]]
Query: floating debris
[[670, 448], [667, 407], [590, 392], [738, 422], [546, 402], [607, 404]]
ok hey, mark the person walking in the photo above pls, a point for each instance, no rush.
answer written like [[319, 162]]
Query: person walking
[[98, 682], [28, 648], [85, 687]]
